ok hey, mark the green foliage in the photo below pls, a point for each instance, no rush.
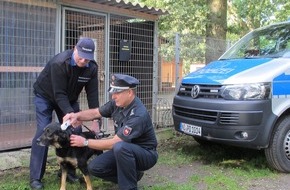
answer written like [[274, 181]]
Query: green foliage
[[185, 16], [246, 15], [283, 11]]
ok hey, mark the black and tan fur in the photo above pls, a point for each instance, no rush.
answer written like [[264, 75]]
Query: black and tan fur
[[68, 157]]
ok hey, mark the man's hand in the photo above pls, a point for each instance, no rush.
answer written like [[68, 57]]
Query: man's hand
[[95, 126], [73, 119], [76, 140]]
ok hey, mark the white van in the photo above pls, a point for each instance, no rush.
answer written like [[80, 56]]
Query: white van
[[243, 98]]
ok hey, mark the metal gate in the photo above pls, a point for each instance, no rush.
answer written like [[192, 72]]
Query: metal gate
[[82, 23]]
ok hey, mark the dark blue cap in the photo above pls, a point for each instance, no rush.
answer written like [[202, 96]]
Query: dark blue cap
[[86, 48], [121, 82]]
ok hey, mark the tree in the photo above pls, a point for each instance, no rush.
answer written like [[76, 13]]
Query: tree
[[216, 29], [246, 15]]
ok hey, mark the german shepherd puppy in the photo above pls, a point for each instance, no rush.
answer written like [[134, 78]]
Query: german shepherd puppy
[[68, 156]]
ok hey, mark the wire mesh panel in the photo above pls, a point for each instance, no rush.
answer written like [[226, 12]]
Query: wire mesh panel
[[28, 33], [166, 81], [139, 34], [27, 41], [80, 24]]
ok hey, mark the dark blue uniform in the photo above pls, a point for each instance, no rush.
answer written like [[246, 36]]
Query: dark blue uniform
[[57, 89], [137, 151]]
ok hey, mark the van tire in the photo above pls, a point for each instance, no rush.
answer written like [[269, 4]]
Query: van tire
[[278, 152]]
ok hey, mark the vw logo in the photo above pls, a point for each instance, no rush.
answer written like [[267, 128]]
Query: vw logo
[[195, 91]]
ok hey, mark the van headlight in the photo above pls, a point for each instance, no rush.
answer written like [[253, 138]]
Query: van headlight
[[254, 91]]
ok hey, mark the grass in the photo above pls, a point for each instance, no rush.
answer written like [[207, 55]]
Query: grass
[[225, 167], [213, 167]]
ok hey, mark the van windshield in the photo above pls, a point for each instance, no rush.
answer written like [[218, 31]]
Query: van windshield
[[268, 42]]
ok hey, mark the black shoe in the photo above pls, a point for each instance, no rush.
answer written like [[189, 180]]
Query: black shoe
[[72, 178], [139, 175], [36, 184]]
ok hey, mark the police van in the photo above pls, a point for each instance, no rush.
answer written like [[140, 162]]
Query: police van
[[243, 98]]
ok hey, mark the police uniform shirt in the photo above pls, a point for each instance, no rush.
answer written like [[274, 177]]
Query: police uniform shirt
[[132, 124]]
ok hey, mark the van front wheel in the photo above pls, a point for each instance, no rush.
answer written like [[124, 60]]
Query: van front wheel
[[278, 152]]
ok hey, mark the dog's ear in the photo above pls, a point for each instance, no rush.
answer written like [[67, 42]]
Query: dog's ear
[[52, 128], [49, 131]]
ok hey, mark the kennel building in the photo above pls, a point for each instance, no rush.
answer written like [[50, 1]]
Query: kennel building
[[33, 31]]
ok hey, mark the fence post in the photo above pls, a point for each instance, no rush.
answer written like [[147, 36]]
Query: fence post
[[155, 73], [177, 61]]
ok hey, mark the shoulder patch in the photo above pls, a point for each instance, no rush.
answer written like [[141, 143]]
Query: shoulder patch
[[132, 112], [127, 130]]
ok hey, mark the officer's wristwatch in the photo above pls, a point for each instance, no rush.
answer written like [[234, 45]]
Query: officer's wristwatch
[[86, 142]]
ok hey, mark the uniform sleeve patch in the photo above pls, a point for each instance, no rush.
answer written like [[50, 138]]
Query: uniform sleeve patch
[[127, 131], [132, 112]]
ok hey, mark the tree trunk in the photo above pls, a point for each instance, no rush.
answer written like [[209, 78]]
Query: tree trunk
[[216, 29]]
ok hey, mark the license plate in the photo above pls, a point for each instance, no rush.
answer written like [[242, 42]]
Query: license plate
[[190, 129]]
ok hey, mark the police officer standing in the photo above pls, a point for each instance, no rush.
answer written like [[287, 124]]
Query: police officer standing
[[57, 89], [132, 150]]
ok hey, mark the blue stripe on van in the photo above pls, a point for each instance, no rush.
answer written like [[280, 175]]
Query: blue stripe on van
[[281, 85], [216, 72]]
